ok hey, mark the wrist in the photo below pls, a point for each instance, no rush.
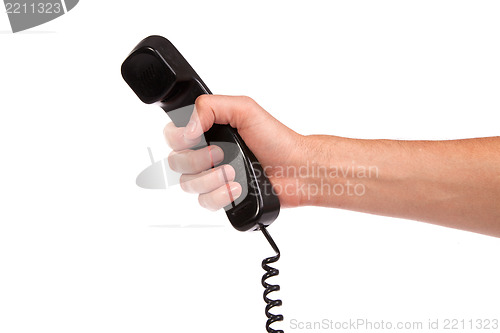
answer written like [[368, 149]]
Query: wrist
[[331, 173]]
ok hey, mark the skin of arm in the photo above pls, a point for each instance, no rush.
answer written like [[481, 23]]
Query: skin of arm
[[453, 183]]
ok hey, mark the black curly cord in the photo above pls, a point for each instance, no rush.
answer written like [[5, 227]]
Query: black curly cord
[[270, 272]]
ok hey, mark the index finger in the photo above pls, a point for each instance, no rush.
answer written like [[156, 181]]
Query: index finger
[[177, 139]]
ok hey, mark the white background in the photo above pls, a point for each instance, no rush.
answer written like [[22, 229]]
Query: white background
[[83, 249]]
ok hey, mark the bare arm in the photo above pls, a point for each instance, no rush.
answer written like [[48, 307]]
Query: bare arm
[[452, 183]]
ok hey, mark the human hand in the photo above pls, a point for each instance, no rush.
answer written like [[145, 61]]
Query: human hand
[[276, 147]]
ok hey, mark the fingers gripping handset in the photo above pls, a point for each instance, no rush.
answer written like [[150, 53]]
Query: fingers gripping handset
[[158, 73]]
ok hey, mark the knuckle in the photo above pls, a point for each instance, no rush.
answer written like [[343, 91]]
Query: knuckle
[[168, 134], [248, 99], [249, 106], [202, 200], [201, 101], [172, 160], [183, 182], [206, 201]]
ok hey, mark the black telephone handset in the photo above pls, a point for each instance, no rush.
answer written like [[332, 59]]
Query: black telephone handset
[[158, 73]]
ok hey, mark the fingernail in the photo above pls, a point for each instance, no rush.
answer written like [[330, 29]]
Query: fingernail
[[216, 154], [235, 191], [190, 129]]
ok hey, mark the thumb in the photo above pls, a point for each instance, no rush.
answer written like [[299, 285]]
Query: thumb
[[237, 111]]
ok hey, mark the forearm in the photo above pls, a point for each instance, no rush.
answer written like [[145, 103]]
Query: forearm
[[452, 183]]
